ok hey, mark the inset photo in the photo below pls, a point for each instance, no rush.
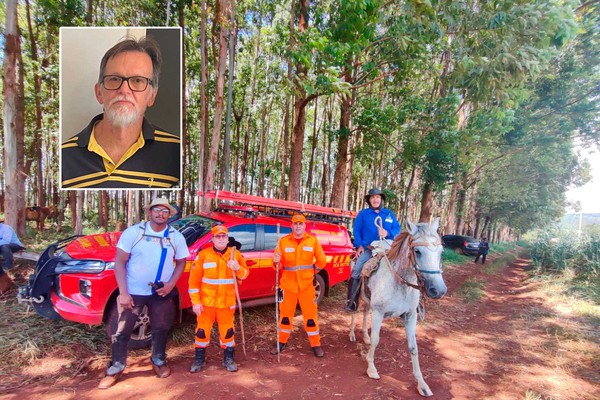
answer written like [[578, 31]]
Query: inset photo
[[120, 107]]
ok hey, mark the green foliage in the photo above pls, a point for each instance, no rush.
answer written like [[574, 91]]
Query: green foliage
[[556, 253]]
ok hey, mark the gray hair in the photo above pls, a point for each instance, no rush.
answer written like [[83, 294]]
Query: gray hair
[[145, 45]]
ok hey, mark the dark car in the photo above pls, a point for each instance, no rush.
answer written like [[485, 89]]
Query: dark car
[[461, 244]]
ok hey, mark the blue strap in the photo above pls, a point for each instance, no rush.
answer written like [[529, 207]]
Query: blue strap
[[163, 256]]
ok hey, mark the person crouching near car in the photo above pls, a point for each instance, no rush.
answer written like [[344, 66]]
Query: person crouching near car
[[301, 257], [212, 292], [150, 259]]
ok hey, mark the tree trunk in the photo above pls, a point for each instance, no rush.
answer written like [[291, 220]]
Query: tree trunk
[[203, 102], [286, 143], [426, 203], [35, 152], [313, 148], [247, 130], [224, 20], [14, 128], [340, 177], [450, 220], [79, 212], [226, 162], [297, 139], [181, 192]]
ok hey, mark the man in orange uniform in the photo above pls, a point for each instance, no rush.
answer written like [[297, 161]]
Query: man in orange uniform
[[212, 292], [301, 257]]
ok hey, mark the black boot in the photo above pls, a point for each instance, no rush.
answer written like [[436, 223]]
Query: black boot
[[228, 360], [353, 295], [198, 360]]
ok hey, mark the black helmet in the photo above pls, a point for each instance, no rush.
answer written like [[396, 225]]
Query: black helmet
[[374, 192]]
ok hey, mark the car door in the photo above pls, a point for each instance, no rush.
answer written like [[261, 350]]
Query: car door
[[246, 234]]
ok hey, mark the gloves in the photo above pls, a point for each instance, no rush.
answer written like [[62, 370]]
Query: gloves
[[279, 295]]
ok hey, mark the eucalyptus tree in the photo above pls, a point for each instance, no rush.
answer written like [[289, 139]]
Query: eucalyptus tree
[[12, 94]]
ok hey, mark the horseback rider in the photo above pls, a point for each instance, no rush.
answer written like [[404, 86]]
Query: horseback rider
[[366, 231]]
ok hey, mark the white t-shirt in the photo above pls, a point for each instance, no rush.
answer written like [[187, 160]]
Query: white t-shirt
[[144, 247]]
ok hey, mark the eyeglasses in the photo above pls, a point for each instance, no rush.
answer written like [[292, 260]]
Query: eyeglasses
[[136, 83], [221, 236], [161, 210]]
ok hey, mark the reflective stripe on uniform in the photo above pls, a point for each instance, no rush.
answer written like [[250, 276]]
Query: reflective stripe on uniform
[[315, 333], [285, 330], [202, 343], [217, 281], [193, 290], [298, 268], [228, 344], [209, 265]]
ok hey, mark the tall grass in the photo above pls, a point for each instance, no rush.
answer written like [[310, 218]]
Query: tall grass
[[568, 254], [553, 253]]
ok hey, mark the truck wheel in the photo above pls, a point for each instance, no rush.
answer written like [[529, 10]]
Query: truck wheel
[[319, 288], [142, 335]]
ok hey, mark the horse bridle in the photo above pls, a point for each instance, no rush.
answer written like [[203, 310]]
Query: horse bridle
[[413, 263]]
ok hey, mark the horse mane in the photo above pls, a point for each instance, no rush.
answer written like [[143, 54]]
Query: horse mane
[[400, 251]]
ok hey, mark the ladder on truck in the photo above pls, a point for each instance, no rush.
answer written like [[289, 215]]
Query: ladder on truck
[[276, 207]]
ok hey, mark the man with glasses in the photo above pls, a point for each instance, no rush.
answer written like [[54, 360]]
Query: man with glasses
[[121, 148], [150, 259]]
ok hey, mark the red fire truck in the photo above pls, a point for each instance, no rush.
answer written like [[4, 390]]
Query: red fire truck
[[74, 278]]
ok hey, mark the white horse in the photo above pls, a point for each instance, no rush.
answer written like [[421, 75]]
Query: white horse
[[412, 265]]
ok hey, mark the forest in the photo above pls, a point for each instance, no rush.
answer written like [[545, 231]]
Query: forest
[[472, 111]]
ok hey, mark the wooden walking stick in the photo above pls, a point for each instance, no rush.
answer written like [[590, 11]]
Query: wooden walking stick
[[239, 303], [277, 301]]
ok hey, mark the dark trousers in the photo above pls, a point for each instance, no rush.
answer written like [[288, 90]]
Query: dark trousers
[[7, 250], [162, 313], [482, 259]]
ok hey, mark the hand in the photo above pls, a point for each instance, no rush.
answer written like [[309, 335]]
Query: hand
[[359, 251], [233, 264], [125, 301], [276, 257], [382, 232], [198, 309], [165, 290]]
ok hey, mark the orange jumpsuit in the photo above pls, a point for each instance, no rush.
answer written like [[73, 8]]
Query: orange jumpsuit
[[300, 261], [211, 284]]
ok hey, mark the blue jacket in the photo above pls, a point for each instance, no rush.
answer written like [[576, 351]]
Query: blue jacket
[[365, 230]]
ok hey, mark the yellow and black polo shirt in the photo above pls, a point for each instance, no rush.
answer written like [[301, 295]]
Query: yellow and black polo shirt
[[152, 162]]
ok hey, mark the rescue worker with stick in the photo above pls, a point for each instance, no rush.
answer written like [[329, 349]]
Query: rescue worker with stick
[[213, 295], [301, 257]]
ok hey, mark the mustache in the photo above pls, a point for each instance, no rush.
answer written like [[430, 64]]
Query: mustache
[[121, 98]]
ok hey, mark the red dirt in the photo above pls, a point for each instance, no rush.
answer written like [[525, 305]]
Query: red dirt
[[492, 348]]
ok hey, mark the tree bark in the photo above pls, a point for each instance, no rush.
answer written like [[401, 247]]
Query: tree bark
[[224, 20], [14, 128], [340, 177], [35, 152], [203, 102], [300, 103], [181, 192], [426, 203], [226, 162]]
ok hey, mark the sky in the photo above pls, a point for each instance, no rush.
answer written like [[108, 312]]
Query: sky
[[589, 194]]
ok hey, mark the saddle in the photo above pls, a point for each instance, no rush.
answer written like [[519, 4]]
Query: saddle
[[370, 266]]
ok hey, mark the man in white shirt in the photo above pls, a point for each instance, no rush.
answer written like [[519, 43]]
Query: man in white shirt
[[150, 259]]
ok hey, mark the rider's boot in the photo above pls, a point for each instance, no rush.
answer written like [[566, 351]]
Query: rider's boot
[[353, 295]]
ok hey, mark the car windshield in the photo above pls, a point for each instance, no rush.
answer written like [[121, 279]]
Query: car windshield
[[193, 227]]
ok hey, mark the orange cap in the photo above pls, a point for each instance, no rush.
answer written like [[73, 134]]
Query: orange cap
[[219, 230], [298, 218]]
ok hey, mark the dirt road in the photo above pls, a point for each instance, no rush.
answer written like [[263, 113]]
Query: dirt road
[[498, 347]]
